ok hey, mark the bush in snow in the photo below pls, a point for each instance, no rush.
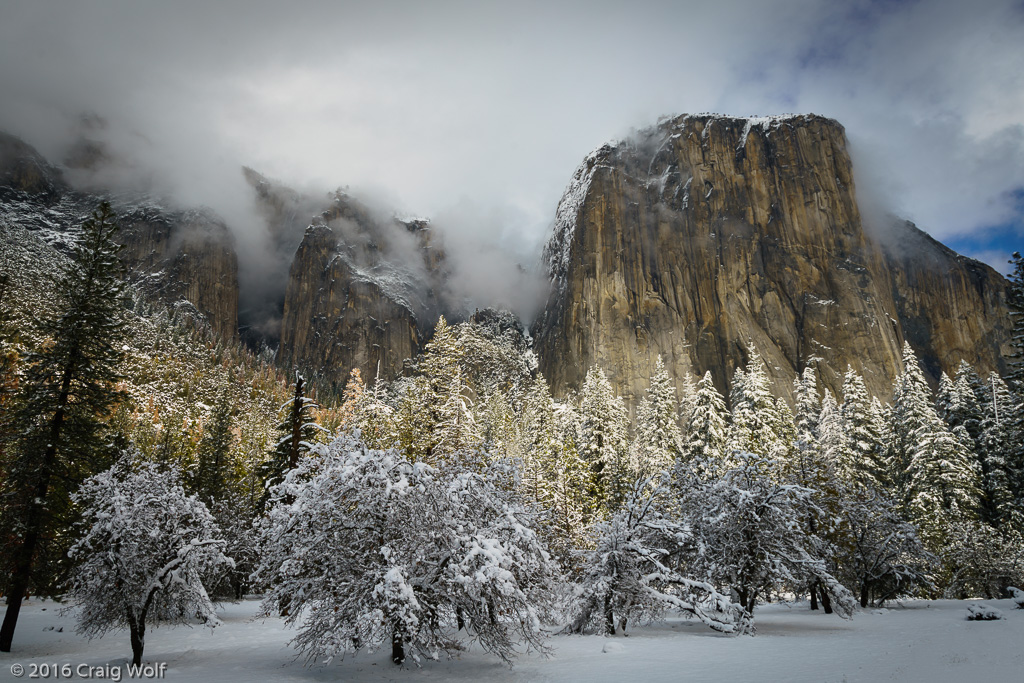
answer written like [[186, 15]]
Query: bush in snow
[[633, 571], [1017, 595], [365, 547], [983, 613], [144, 552]]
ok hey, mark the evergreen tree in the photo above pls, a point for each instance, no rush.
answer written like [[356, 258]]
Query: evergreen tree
[[69, 387], [659, 441], [706, 436], [603, 427], [862, 427], [212, 476], [1015, 376], [755, 421], [995, 451], [1015, 301], [298, 430], [372, 413], [434, 417], [938, 482]]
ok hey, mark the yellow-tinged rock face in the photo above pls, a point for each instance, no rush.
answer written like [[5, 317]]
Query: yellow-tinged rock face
[[707, 233]]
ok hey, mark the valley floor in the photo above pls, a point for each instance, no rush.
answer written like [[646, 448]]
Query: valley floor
[[917, 641]]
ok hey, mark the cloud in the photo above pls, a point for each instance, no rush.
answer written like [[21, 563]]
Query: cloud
[[478, 113]]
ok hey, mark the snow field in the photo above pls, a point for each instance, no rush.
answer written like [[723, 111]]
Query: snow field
[[927, 641]]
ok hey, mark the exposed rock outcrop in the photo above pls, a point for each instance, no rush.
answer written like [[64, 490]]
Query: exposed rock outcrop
[[706, 233], [361, 293]]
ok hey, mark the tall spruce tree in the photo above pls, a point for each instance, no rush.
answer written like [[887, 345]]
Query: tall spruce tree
[[659, 440], [863, 429], [938, 481], [755, 421], [298, 429], [603, 437], [995, 452], [708, 427], [69, 387], [212, 476], [1015, 376]]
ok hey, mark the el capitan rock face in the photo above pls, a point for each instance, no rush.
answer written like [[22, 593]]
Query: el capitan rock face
[[706, 233]]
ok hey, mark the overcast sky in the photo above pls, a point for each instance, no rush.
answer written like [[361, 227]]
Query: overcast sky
[[483, 110]]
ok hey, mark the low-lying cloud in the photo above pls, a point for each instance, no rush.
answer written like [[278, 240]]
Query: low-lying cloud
[[476, 114]]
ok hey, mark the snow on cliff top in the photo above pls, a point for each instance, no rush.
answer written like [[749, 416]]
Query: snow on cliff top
[[557, 251]]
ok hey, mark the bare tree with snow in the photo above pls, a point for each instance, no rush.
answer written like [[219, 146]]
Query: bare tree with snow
[[367, 548], [145, 550]]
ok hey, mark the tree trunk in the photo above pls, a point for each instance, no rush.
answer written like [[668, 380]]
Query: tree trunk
[[34, 520], [460, 620], [609, 617], [397, 647], [826, 601], [814, 595], [21, 576], [864, 595], [137, 629]]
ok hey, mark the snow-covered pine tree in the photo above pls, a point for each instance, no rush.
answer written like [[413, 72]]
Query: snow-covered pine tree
[[659, 441], [749, 534], [863, 427], [375, 417], [146, 548], [938, 482], [434, 418], [755, 422], [708, 428], [368, 548], [68, 386], [632, 574], [1015, 376], [815, 463], [833, 440], [687, 401], [554, 475], [604, 424], [808, 409], [1015, 301], [999, 506]]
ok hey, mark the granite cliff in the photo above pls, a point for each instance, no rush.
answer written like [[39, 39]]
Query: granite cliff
[[362, 293], [703, 234]]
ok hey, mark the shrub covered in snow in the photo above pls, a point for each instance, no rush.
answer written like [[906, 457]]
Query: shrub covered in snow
[[364, 547], [1017, 595], [144, 553], [982, 612]]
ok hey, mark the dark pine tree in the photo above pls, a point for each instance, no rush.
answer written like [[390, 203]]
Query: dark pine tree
[[212, 475], [68, 388], [297, 430], [1015, 378]]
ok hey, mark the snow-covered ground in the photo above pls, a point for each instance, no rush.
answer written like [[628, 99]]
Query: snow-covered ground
[[919, 641]]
